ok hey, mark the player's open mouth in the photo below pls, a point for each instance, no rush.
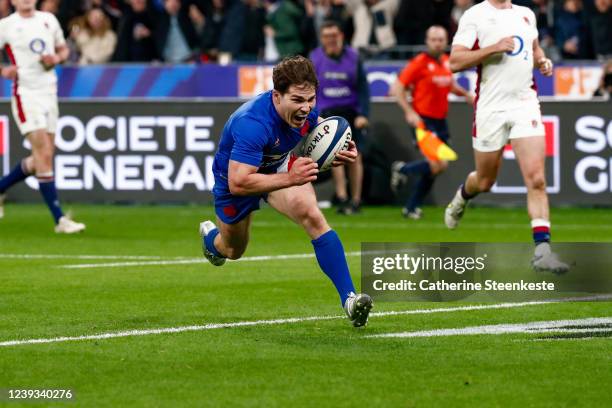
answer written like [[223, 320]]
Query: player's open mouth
[[300, 118]]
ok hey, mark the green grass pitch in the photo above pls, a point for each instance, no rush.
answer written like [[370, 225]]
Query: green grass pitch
[[321, 362]]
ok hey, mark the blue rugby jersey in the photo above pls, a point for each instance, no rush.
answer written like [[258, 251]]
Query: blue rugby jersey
[[256, 135]]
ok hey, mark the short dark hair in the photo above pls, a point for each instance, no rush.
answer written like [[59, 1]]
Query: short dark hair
[[296, 70], [330, 24]]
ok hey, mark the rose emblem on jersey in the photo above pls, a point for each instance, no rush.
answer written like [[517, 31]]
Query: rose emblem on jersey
[[37, 46]]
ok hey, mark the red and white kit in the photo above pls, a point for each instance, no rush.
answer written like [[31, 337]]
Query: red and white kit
[[507, 105], [25, 40]]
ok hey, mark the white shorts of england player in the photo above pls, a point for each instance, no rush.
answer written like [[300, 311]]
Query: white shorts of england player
[[34, 112], [494, 129]]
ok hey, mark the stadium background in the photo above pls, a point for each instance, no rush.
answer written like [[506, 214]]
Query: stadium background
[[139, 88], [130, 314]]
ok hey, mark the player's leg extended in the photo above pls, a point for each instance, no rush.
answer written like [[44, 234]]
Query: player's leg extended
[[412, 209], [299, 204], [19, 173], [479, 181], [223, 240], [530, 153], [43, 149]]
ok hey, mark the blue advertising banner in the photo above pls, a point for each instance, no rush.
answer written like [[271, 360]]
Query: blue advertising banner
[[243, 81]]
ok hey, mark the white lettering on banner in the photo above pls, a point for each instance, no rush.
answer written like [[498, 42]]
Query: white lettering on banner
[[602, 183], [141, 134], [128, 173], [105, 175], [122, 134], [197, 133], [132, 172], [171, 123], [92, 138], [591, 138], [189, 173], [160, 169], [81, 170], [68, 178], [78, 132], [593, 174]]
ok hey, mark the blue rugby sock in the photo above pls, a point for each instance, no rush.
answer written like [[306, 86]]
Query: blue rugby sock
[[47, 189], [15, 176], [209, 241], [422, 188], [331, 258], [416, 167]]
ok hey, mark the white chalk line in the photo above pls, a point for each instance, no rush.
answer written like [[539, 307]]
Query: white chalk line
[[195, 261], [551, 326], [422, 224], [68, 256], [213, 326]]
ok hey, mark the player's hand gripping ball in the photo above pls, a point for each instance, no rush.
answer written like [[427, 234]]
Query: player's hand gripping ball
[[327, 139]]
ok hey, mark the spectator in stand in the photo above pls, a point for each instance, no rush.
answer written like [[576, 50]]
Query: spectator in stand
[[113, 9], [94, 39], [543, 10], [285, 21], [135, 41], [605, 86], [242, 35], [416, 16], [569, 30], [373, 23], [175, 35], [600, 32], [50, 6], [213, 26]]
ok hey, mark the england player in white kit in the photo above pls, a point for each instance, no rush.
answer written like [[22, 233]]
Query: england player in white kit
[[34, 43], [501, 40]]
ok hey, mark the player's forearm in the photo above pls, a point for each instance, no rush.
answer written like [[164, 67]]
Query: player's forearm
[[538, 57], [63, 53], [258, 183], [461, 60]]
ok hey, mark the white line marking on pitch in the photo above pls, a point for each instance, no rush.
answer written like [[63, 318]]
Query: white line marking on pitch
[[68, 256], [472, 224], [212, 326], [195, 261], [551, 326]]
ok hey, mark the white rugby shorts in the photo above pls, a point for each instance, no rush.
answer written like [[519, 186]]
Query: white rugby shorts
[[493, 129], [34, 112]]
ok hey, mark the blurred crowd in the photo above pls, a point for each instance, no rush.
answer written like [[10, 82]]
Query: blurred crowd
[[176, 31]]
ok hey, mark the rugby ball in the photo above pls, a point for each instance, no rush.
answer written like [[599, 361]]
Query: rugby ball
[[325, 140]]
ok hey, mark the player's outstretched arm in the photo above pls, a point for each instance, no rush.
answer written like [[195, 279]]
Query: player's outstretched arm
[[243, 179], [463, 58]]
